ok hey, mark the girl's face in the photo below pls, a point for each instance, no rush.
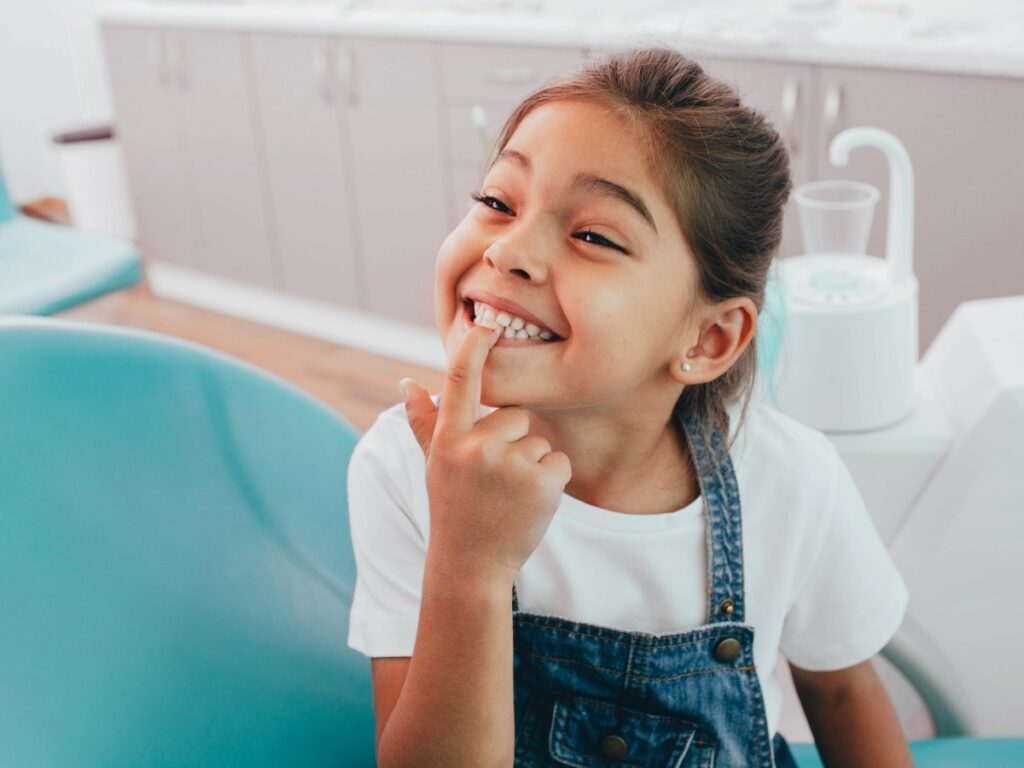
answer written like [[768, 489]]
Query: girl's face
[[557, 236]]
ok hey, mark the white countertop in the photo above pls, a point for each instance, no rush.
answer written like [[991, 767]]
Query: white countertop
[[988, 39]]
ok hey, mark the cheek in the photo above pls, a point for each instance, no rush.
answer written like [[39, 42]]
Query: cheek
[[448, 267], [444, 281], [607, 310], [457, 253]]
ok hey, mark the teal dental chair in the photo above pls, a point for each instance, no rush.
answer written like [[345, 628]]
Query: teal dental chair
[[176, 570], [45, 268]]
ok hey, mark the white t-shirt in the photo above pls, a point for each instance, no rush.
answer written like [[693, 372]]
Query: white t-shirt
[[820, 586]]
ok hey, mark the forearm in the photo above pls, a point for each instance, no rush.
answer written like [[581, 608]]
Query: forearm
[[456, 706], [857, 728]]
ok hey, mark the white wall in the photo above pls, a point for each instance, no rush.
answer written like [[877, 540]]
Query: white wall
[[52, 79]]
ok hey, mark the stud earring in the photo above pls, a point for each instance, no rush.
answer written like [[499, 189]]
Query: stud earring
[[686, 366]]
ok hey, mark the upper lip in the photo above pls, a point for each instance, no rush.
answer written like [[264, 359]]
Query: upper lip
[[507, 305]]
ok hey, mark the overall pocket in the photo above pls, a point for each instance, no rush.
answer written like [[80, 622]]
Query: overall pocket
[[588, 733]]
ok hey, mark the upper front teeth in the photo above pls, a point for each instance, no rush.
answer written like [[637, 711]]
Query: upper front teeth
[[515, 327]]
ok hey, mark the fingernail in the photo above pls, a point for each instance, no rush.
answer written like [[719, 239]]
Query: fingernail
[[403, 387]]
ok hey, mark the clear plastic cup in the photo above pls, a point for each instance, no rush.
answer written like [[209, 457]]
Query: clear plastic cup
[[835, 216]]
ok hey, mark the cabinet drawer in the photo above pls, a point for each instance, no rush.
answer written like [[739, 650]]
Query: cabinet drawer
[[501, 73]]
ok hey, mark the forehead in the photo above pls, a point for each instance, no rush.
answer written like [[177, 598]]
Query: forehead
[[566, 136]]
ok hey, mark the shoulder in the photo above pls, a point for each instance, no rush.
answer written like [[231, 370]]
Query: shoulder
[[770, 438], [388, 449], [386, 480], [791, 478]]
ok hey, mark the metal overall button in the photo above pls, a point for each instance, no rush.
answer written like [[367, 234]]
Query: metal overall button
[[727, 649], [613, 747], [726, 607]]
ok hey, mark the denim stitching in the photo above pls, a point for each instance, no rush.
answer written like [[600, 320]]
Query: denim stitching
[[621, 673], [581, 700], [708, 632], [605, 705]]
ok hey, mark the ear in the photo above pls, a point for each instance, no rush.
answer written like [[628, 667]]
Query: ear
[[725, 332]]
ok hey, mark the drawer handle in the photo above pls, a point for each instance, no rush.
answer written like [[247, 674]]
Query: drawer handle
[[508, 75], [177, 61], [322, 82], [833, 107], [479, 117], [344, 67], [790, 102]]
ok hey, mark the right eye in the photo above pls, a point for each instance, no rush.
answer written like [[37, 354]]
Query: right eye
[[487, 200]]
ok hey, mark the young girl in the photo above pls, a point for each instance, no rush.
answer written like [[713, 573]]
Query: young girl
[[561, 559]]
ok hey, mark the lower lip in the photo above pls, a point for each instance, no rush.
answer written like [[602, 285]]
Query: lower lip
[[504, 341]]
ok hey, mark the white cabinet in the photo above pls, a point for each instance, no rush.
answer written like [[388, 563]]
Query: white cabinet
[[355, 169], [299, 81], [186, 119], [397, 173], [223, 158], [149, 129]]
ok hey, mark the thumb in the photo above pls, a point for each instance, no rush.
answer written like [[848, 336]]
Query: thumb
[[421, 412]]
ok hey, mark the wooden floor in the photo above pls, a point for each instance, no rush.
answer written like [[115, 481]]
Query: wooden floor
[[356, 384]]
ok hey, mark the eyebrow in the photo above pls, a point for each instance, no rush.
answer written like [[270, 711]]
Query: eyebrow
[[591, 183]]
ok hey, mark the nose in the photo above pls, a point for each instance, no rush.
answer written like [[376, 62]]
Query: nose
[[523, 251]]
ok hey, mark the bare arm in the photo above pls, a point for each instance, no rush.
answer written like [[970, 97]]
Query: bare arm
[[852, 718], [456, 706], [493, 490]]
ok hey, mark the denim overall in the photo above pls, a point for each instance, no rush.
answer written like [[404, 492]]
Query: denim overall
[[596, 697]]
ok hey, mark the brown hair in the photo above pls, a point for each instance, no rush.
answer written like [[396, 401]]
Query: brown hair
[[724, 170]]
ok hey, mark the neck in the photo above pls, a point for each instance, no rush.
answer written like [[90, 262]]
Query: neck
[[628, 457]]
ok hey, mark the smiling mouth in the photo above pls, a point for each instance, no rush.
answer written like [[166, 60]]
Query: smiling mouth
[[511, 336]]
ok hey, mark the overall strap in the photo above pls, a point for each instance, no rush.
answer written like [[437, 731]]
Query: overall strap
[[723, 526]]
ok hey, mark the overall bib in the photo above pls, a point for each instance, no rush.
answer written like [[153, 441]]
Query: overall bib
[[597, 697]]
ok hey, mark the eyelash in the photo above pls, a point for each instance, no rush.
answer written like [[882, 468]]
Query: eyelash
[[487, 199]]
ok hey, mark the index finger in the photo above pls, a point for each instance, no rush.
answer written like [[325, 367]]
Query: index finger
[[461, 394]]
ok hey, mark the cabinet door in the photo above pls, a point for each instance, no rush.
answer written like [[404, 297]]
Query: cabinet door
[[147, 108], [964, 136], [398, 177], [785, 93], [224, 163], [304, 138]]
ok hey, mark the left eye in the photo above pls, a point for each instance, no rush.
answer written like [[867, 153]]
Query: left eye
[[598, 239], [487, 200]]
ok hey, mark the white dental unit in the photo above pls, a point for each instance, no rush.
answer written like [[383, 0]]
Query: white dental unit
[[932, 443]]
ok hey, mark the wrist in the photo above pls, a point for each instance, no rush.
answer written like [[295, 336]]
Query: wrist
[[467, 573]]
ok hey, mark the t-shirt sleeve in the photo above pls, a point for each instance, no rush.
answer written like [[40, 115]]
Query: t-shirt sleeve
[[853, 598], [388, 541]]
